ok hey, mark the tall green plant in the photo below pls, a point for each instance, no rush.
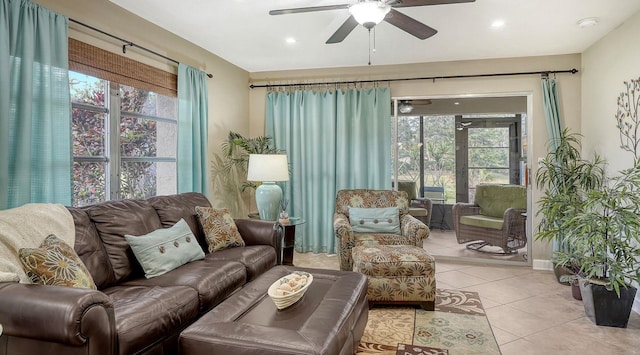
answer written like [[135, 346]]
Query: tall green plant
[[229, 169], [565, 179], [604, 231]]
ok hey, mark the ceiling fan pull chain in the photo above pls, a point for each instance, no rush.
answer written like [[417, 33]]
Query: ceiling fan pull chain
[[374, 40], [369, 46]]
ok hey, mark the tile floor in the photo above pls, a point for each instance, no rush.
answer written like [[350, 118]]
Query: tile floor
[[529, 312], [443, 243]]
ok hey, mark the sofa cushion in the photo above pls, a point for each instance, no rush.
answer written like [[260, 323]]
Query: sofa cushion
[[55, 263], [256, 258], [219, 228], [165, 249], [494, 199], [214, 280], [482, 221], [114, 219], [172, 208], [146, 315], [90, 249]]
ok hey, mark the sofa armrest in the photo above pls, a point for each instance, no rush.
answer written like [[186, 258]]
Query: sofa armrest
[[66, 315], [258, 232], [413, 229]]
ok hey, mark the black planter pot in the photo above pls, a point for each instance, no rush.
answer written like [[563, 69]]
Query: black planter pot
[[604, 307]]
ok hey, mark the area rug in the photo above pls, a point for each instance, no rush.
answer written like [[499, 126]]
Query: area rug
[[457, 326]]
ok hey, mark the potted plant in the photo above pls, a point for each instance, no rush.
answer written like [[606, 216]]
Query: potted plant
[[229, 170], [564, 177], [603, 235]]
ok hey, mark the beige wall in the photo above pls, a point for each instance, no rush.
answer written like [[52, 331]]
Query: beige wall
[[228, 92], [606, 65], [569, 86]]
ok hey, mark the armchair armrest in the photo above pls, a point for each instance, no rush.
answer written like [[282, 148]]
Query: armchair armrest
[[422, 202], [514, 221], [413, 229], [344, 233], [66, 315], [466, 209], [258, 232], [342, 227], [460, 209]]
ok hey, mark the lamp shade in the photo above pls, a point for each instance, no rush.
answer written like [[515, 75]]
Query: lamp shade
[[268, 167], [369, 13]]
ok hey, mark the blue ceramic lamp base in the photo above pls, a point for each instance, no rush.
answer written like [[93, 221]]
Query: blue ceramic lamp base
[[268, 198]]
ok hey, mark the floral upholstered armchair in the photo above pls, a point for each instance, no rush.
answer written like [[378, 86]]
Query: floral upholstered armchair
[[410, 232]]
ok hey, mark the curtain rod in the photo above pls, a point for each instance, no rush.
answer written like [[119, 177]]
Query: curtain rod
[[128, 43], [434, 78]]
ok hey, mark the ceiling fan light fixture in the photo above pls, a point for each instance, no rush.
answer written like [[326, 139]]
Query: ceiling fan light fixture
[[369, 13], [405, 106]]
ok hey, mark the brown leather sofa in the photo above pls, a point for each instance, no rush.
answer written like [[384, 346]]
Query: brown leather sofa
[[130, 314]]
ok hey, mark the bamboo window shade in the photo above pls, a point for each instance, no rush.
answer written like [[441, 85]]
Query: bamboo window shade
[[87, 59]]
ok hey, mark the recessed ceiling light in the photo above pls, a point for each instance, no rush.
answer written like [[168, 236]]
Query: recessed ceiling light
[[588, 22], [456, 103], [290, 40], [497, 23]]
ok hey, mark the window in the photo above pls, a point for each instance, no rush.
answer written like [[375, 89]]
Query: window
[[437, 148], [426, 151], [124, 141], [488, 157]]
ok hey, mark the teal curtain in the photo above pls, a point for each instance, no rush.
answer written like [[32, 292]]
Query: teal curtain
[[334, 140], [35, 107], [554, 131], [551, 111], [193, 116]]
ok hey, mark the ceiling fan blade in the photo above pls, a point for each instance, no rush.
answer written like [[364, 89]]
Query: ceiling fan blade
[[343, 31], [308, 9], [409, 25], [409, 3]]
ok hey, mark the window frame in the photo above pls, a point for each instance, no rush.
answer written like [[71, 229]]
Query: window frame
[[113, 157]]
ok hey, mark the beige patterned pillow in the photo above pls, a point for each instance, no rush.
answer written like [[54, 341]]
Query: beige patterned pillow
[[219, 228], [55, 263]]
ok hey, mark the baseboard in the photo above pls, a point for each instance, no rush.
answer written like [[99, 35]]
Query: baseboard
[[540, 264]]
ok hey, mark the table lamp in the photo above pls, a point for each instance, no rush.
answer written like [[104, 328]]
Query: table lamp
[[268, 168]]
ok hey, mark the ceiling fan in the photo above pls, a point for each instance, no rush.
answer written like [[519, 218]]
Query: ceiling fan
[[369, 13], [407, 106]]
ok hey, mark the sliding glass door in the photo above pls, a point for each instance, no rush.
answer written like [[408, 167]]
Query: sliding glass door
[[447, 147]]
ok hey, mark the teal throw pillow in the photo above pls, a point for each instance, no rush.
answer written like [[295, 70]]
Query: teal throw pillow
[[165, 249], [375, 220]]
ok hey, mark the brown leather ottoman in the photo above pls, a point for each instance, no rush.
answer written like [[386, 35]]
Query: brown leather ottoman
[[329, 319]]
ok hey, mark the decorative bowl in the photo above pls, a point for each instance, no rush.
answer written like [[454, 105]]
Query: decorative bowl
[[288, 290]]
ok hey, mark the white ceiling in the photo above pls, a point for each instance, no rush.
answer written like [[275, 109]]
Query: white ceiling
[[243, 32]]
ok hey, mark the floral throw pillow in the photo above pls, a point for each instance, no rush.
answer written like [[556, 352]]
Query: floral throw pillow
[[219, 228], [55, 263]]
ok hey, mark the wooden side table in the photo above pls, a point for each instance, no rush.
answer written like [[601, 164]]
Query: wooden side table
[[289, 240]]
